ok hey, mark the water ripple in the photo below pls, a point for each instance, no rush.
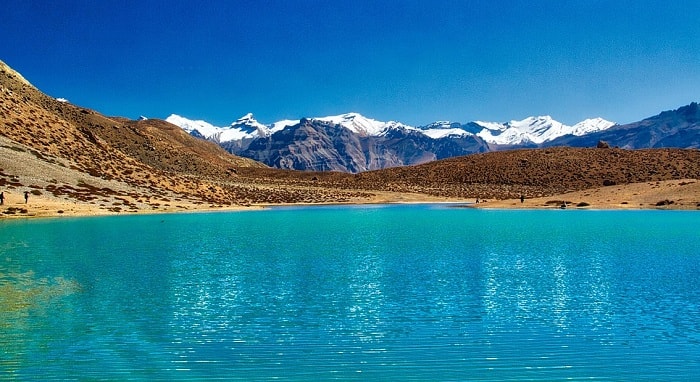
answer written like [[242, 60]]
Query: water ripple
[[396, 293]]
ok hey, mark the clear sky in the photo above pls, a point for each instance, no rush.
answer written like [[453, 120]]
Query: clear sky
[[410, 61]]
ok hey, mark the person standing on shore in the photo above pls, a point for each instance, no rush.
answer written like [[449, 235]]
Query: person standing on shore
[[26, 197], [2, 198]]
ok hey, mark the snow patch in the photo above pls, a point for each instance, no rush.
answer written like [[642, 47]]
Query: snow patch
[[245, 127], [536, 130], [362, 125], [280, 125], [204, 128], [591, 126], [443, 133]]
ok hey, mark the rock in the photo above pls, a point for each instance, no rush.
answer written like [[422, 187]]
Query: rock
[[314, 145]]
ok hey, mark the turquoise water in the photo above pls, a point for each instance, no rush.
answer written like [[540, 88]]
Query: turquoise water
[[361, 293]]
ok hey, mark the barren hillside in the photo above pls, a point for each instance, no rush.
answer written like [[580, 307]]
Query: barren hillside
[[540, 172], [62, 152], [78, 154]]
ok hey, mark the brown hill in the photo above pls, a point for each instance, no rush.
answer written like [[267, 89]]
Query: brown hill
[[539, 172], [69, 154], [509, 174], [60, 150]]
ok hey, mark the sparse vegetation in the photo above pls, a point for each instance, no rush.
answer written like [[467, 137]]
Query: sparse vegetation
[[15, 210], [82, 156]]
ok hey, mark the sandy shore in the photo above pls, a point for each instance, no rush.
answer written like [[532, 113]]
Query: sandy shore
[[14, 206], [39, 207], [673, 194], [676, 194]]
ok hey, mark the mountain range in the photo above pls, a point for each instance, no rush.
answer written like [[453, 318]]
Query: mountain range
[[73, 160], [354, 143], [678, 128]]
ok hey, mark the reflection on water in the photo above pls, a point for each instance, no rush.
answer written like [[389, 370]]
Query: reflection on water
[[364, 315], [400, 293], [552, 288], [23, 291], [24, 300]]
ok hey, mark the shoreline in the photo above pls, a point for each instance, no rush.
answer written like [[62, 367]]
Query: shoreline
[[683, 194], [664, 195]]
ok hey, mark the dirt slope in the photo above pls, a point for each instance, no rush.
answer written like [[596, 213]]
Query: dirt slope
[[62, 153]]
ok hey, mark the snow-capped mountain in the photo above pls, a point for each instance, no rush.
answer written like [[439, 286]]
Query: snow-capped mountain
[[197, 128], [443, 129], [672, 128], [361, 125], [248, 127], [353, 142], [245, 127], [589, 126], [531, 130], [536, 130]]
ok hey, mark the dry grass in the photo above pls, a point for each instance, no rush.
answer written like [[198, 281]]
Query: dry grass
[[76, 161]]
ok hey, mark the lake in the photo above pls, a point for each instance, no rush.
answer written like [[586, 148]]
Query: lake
[[420, 292]]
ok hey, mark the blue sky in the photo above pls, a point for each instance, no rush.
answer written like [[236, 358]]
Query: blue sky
[[411, 61]]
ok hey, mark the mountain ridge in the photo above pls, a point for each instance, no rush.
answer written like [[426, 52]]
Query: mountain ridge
[[535, 129], [403, 145], [670, 128], [57, 151]]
